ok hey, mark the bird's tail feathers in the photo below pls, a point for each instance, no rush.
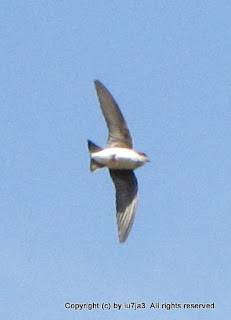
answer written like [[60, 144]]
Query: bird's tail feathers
[[92, 147], [94, 166]]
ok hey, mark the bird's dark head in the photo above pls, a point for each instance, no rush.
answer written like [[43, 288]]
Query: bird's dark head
[[144, 157]]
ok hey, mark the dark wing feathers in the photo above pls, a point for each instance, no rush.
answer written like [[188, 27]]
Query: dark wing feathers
[[126, 200], [119, 135]]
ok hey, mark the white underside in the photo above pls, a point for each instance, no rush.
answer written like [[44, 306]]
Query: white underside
[[119, 158]]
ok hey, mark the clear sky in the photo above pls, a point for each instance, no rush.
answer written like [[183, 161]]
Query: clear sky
[[168, 65]]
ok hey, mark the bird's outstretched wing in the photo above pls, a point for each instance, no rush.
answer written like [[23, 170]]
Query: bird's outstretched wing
[[126, 200], [119, 135]]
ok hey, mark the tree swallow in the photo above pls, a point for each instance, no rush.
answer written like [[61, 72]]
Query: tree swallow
[[120, 158]]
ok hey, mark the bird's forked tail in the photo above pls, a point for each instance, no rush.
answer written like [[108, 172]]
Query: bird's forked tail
[[92, 147]]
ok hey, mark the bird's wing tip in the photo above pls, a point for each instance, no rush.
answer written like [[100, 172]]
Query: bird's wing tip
[[97, 83]]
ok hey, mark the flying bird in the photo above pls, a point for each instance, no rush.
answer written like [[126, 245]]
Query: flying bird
[[120, 158]]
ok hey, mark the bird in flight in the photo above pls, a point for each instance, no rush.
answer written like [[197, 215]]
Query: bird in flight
[[120, 158]]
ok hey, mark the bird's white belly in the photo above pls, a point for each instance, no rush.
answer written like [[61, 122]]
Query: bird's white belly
[[118, 158]]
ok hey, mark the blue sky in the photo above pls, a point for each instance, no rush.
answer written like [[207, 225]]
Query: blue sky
[[167, 63]]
